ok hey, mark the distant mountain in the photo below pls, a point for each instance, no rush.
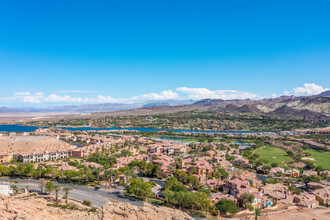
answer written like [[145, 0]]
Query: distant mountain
[[288, 112], [326, 93], [105, 107], [15, 110], [248, 108], [206, 102], [308, 107], [312, 108]]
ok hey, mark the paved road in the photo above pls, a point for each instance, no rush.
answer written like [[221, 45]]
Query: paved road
[[80, 193], [97, 197], [263, 177]]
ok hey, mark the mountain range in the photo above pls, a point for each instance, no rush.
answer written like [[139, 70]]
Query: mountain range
[[104, 107], [316, 107]]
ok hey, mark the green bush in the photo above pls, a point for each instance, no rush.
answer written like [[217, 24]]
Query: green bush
[[87, 202], [250, 207]]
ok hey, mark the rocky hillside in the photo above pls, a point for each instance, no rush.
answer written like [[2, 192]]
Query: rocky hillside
[[37, 209], [124, 211], [311, 108]]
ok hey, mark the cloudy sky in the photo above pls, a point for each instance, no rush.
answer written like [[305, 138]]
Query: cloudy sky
[[62, 52]]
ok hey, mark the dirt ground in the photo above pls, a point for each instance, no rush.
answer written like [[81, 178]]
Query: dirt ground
[[301, 214], [19, 144]]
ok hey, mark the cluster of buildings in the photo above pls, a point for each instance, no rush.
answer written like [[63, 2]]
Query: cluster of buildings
[[164, 153], [167, 148]]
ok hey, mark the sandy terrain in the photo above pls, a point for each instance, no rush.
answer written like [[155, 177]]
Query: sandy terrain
[[37, 209], [19, 144], [300, 214], [7, 118]]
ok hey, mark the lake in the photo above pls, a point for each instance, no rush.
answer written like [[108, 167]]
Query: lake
[[20, 128]]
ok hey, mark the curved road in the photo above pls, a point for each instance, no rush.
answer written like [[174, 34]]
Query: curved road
[[97, 197]]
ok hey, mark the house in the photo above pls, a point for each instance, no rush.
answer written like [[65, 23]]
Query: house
[[309, 173], [292, 173], [306, 200], [216, 197], [236, 185], [5, 157], [5, 189], [213, 184], [314, 185], [258, 201], [242, 162], [276, 196], [83, 151], [322, 195], [210, 153], [276, 171], [278, 187], [83, 138]]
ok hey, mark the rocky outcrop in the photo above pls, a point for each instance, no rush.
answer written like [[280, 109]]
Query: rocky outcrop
[[123, 211], [37, 209]]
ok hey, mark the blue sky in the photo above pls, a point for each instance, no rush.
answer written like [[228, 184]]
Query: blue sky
[[76, 52]]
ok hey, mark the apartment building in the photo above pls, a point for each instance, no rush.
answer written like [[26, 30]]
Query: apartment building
[[39, 156]]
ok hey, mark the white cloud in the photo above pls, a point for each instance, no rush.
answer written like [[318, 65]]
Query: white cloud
[[104, 99], [203, 93], [39, 97], [307, 89], [74, 91], [28, 97], [166, 94], [65, 98], [22, 93]]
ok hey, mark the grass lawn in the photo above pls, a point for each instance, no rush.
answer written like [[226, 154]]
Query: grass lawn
[[321, 158], [273, 154]]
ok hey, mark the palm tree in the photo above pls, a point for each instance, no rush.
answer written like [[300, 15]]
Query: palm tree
[[257, 212], [66, 190], [207, 173], [218, 175], [97, 171], [178, 162], [57, 188], [206, 205]]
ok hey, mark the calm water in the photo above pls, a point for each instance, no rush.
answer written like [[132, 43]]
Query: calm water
[[19, 128]]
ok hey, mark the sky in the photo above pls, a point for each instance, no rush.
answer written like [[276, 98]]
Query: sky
[[79, 52]]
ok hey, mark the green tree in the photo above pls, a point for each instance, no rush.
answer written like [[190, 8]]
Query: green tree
[[67, 190], [140, 188], [49, 187], [257, 213], [290, 153], [57, 188], [308, 179], [206, 204], [227, 206], [245, 199]]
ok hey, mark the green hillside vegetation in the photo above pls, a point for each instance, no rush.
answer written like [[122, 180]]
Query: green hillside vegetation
[[273, 155], [322, 159]]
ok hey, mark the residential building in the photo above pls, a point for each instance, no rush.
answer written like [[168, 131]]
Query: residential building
[[5, 157], [39, 156]]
